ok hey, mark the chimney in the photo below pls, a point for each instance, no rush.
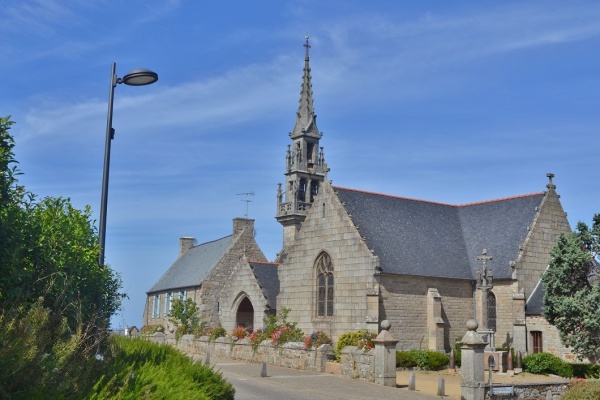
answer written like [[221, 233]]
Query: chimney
[[186, 243], [240, 224]]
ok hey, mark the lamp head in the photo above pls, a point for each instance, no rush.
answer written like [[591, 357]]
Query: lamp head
[[139, 77]]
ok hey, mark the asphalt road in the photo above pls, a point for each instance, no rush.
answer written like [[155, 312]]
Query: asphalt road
[[290, 384]]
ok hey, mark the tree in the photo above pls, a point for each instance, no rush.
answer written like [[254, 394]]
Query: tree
[[53, 293], [184, 315], [571, 289]]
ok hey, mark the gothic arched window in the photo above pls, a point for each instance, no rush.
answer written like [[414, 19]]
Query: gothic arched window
[[491, 311], [324, 269]]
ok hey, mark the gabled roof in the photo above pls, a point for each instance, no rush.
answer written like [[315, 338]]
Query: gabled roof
[[193, 266], [423, 238], [268, 279]]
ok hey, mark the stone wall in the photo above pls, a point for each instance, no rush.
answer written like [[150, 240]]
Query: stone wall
[[524, 391], [290, 355], [550, 221], [327, 228], [404, 303], [551, 342]]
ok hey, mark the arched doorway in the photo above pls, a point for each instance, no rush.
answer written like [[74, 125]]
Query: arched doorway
[[245, 314]]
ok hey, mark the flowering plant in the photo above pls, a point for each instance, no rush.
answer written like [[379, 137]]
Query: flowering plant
[[285, 334], [366, 343], [257, 337], [239, 333], [316, 339]]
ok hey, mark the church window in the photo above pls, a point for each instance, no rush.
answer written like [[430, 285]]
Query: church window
[[156, 312], [153, 306], [536, 342], [491, 311], [302, 190], [314, 190], [166, 310], [324, 269]]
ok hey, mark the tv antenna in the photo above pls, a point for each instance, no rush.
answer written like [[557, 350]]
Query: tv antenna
[[247, 200]]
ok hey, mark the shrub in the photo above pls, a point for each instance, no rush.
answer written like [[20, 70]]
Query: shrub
[[139, 369], [423, 359], [405, 360], [239, 333], [316, 339], [583, 391], [257, 337], [545, 363], [217, 332], [285, 334], [589, 371], [458, 352], [349, 339]]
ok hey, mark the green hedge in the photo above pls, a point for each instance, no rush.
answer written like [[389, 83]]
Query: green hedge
[[545, 363], [138, 369], [423, 359]]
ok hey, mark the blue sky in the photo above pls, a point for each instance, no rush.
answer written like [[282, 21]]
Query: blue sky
[[455, 102]]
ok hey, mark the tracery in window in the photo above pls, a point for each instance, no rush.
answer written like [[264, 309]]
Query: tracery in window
[[324, 269]]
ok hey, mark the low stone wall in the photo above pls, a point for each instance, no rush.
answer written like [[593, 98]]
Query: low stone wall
[[358, 364], [290, 355], [523, 391]]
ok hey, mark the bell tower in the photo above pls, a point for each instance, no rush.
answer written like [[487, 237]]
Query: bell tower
[[305, 166]]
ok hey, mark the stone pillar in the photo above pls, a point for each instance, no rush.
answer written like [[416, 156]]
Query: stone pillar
[[372, 306], [472, 367], [385, 356], [435, 323]]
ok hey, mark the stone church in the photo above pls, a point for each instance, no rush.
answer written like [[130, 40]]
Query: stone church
[[351, 259]]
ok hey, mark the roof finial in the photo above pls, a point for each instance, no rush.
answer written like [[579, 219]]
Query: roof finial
[[306, 44], [550, 185]]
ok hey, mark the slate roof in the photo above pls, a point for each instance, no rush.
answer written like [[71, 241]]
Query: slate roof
[[423, 238], [193, 266], [268, 279]]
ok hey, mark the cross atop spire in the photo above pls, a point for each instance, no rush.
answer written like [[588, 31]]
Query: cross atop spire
[[306, 123], [306, 45]]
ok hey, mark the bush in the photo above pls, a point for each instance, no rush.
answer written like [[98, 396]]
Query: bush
[[458, 353], [405, 360], [316, 339], [423, 359], [545, 363], [350, 339], [138, 369], [239, 333], [286, 334], [583, 391], [589, 371], [257, 337], [217, 332]]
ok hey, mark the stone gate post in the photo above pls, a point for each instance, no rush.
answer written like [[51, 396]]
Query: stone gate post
[[472, 367], [385, 356]]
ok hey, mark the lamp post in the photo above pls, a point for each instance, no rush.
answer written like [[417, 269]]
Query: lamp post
[[137, 77]]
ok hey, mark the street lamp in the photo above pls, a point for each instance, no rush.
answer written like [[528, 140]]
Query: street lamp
[[137, 77]]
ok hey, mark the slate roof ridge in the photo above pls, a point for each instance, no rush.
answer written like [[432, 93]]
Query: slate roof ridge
[[391, 196], [519, 196], [438, 202], [211, 241], [276, 264]]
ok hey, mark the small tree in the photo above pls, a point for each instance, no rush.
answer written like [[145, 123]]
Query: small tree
[[184, 314], [572, 292]]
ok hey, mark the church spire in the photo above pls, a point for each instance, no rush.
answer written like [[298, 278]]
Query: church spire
[[305, 166], [306, 120]]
